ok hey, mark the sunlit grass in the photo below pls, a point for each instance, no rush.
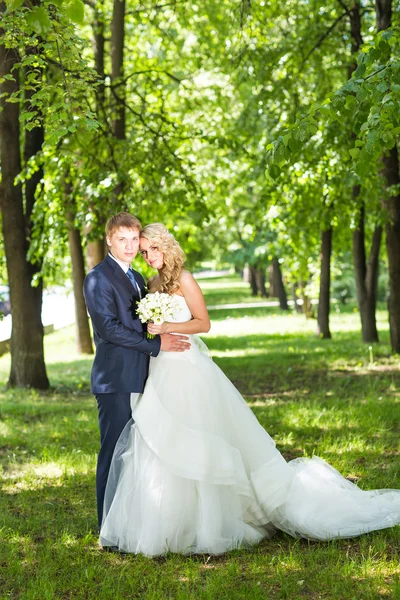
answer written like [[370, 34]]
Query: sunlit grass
[[333, 398]]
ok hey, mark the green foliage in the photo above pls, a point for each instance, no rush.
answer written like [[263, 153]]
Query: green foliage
[[234, 114], [369, 103]]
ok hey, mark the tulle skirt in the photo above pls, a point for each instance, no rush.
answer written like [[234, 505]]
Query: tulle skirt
[[194, 472]]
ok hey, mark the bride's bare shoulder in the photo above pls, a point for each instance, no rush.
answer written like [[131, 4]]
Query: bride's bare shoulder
[[184, 283], [186, 277]]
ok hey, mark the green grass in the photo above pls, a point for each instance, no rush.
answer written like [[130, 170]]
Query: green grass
[[333, 398]]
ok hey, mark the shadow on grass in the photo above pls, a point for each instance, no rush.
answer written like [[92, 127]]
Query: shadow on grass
[[66, 505], [49, 550], [259, 364]]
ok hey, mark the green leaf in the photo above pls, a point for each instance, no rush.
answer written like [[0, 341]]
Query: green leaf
[[351, 102], [382, 87], [386, 34], [363, 168], [279, 152], [269, 157], [295, 145], [275, 171], [39, 20], [362, 94], [325, 109], [354, 152], [287, 138], [75, 11], [389, 139], [7, 77], [13, 5], [385, 50]]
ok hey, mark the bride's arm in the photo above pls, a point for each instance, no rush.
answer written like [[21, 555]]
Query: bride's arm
[[193, 295]]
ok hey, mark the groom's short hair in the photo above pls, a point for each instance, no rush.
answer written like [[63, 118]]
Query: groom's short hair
[[122, 219]]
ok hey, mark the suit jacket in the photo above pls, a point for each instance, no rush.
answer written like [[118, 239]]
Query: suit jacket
[[122, 349]]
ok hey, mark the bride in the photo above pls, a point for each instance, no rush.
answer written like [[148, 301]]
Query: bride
[[194, 471]]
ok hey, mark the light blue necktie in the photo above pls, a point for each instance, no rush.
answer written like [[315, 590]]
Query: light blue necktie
[[133, 281]]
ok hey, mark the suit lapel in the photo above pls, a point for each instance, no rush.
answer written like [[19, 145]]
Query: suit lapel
[[118, 272]]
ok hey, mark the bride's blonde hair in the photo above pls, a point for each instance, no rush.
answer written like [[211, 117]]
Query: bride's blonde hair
[[174, 257]]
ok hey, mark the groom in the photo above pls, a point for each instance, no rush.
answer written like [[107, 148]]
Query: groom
[[123, 351]]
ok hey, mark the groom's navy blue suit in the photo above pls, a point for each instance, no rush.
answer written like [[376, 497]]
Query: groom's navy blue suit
[[122, 355]]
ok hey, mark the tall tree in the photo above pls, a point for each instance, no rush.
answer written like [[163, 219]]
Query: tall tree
[[366, 273], [279, 288], [391, 203], [118, 83], [325, 284], [83, 336], [95, 248], [366, 276], [27, 355]]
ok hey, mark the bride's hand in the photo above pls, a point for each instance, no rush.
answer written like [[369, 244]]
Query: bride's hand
[[157, 329]]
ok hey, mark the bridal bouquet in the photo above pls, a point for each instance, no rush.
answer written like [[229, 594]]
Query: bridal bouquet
[[157, 308]]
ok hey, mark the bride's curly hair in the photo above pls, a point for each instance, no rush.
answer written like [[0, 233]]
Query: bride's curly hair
[[174, 257]]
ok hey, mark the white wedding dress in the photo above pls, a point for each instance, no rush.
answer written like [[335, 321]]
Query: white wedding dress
[[196, 473]]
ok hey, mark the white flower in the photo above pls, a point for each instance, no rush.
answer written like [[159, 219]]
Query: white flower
[[157, 308]]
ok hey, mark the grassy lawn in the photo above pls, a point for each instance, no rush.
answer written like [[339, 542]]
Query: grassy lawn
[[337, 399]]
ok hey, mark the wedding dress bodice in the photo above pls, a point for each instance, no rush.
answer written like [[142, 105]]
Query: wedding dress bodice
[[197, 346], [183, 314]]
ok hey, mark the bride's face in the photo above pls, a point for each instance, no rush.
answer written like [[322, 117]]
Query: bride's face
[[151, 253]]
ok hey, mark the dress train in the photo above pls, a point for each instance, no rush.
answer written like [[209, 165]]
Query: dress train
[[195, 472]]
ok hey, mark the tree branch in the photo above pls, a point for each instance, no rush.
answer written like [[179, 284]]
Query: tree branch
[[145, 71], [323, 37], [147, 8], [342, 4]]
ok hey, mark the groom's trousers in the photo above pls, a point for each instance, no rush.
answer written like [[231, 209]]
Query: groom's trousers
[[114, 413]]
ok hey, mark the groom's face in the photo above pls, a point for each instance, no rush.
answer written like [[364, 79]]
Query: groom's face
[[124, 244]]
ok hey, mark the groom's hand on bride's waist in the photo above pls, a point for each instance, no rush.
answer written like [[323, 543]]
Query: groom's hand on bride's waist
[[174, 342]]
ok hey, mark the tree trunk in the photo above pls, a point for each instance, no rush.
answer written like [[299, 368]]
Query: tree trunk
[[117, 66], [117, 83], [260, 282], [252, 280], [392, 206], [95, 252], [366, 276], [383, 9], [96, 249], [307, 307], [272, 291], [27, 356], [325, 284], [278, 286], [98, 50], [83, 336], [298, 308], [245, 274]]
